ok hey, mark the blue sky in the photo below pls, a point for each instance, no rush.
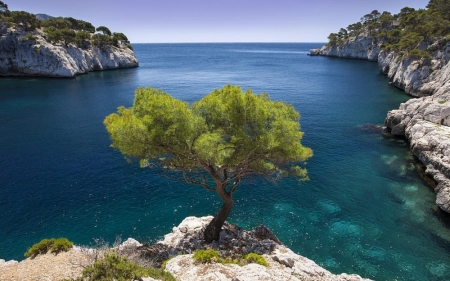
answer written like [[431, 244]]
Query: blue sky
[[171, 21]]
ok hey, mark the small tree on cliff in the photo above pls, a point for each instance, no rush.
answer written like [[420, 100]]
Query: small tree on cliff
[[218, 142], [3, 9]]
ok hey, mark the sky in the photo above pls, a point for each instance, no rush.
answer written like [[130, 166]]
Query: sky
[[179, 21]]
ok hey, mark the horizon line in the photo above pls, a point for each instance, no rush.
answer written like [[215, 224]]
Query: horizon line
[[240, 42]]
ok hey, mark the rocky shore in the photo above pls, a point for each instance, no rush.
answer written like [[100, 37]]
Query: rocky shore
[[22, 57], [423, 120], [179, 245]]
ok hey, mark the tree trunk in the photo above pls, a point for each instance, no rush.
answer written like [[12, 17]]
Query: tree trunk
[[212, 231]]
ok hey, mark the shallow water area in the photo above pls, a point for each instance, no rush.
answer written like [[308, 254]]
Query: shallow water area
[[365, 209]]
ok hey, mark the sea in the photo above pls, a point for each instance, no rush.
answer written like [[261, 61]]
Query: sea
[[365, 210]]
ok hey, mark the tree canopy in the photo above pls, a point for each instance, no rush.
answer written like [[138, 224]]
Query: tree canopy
[[3, 9], [402, 32], [221, 140], [104, 30], [27, 21], [64, 30]]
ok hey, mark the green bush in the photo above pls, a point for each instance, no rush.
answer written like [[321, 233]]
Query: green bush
[[27, 37], [61, 245], [418, 54], [129, 47], [255, 258], [115, 267], [46, 245], [206, 256], [40, 248]]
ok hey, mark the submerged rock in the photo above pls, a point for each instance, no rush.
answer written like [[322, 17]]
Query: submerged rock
[[425, 120]]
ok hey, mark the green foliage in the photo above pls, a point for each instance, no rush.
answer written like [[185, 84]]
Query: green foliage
[[101, 40], [61, 245], [104, 30], [442, 101], [403, 31], [206, 256], [120, 36], [163, 265], [418, 54], [57, 23], [224, 129], [80, 25], [65, 30], [3, 9], [46, 245], [28, 37], [255, 258], [65, 35], [211, 256], [27, 21], [115, 267], [39, 248], [219, 141], [82, 38]]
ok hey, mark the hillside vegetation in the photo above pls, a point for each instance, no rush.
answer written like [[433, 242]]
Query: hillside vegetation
[[416, 33], [62, 30]]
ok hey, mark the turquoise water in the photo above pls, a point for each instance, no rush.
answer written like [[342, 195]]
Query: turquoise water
[[365, 209]]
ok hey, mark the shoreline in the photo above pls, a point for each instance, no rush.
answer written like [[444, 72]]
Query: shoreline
[[424, 120]]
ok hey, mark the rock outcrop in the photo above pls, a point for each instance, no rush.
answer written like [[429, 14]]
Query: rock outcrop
[[179, 245], [235, 242], [424, 120], [362, 47], [22, 57]]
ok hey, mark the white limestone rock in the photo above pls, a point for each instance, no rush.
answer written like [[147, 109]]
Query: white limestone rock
[[283, 263], [41, 58], [129, 243], [7, 263], [357, 47], [183, 267]]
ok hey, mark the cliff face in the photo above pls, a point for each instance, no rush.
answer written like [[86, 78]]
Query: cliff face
[[358, 47], [38, 57], [424, 120]]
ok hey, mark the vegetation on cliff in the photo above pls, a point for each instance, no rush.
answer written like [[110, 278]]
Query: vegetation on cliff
[[63, 30], [403, 32]]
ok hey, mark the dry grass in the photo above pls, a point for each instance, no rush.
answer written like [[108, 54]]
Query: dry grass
[[48, 267]]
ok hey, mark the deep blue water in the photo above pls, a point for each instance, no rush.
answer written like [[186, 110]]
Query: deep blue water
[[365, 209]]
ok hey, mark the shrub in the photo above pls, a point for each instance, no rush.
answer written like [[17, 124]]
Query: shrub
[[115, 267], [255, 258], [45, 245], [129, 47], [418, 54], [27, 37], [39, 248], [61, 245], [442, 101], [206, 256]]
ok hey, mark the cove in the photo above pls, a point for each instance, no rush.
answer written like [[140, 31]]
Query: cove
[[365, 210]]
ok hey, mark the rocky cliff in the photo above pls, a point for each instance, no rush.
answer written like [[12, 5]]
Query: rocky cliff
[[22, 57], [424, 120], [284, 265], [356, 47]]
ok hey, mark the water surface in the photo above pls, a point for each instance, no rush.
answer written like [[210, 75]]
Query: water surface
[[365, 209]]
